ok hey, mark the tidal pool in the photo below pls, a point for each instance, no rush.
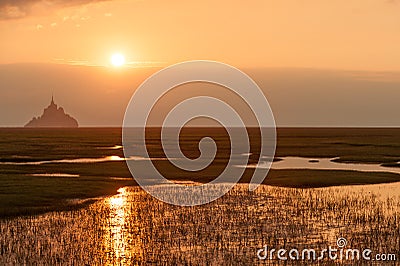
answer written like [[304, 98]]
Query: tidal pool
[[321, 164]]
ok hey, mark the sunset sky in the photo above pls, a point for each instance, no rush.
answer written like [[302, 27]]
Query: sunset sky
[[355, 41], [343, 34]]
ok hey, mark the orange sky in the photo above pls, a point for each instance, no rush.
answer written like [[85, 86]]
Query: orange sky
[[342, 34], [319, 62]]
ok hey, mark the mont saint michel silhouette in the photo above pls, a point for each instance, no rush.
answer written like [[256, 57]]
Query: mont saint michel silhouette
[[53, 116]]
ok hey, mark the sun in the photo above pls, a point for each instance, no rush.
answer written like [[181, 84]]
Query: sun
[[117, 60]]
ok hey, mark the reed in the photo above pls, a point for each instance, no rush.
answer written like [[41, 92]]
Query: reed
[[132, 228]]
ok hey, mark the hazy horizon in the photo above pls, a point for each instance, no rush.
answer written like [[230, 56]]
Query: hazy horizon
[[98, 96]]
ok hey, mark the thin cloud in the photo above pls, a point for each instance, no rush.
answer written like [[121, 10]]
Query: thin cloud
[[132, 64], [15, 9]]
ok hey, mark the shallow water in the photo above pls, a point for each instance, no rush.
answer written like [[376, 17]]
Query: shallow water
[[112, 158], [55, 175], [322, 164], [115, 147], [134, 228], [78, 160]]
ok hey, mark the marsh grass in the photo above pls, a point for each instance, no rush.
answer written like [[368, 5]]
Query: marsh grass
[[132, 228]]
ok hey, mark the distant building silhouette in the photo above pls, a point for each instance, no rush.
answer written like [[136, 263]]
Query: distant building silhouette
[[53, 116]]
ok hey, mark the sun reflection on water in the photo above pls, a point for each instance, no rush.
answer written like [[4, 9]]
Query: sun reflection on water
[[115, 158], [122, 240], [116, 241]]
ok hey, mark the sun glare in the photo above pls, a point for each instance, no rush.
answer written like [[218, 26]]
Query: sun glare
[[117, 60]]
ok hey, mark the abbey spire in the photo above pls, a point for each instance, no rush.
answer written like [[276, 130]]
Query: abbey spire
[[53, 116]]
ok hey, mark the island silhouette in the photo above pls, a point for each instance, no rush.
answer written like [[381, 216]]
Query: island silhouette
[[53, 116]]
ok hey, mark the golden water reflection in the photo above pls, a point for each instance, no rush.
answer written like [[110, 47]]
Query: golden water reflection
[[120, 244]]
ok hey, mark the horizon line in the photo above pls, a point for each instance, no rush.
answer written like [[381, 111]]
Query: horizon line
[[208, 126]]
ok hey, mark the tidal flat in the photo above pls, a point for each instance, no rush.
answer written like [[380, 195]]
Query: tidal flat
[[67, 198], [43, 170]]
